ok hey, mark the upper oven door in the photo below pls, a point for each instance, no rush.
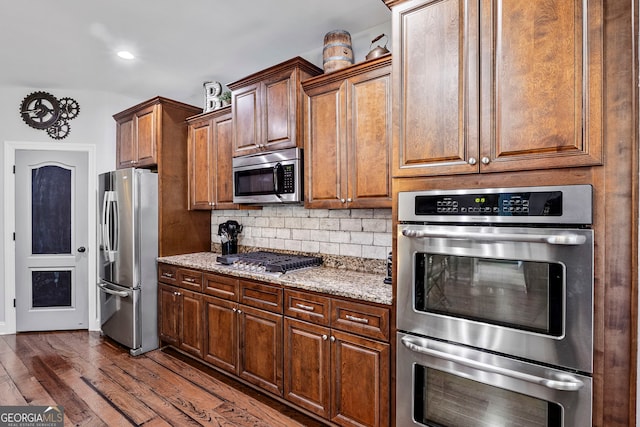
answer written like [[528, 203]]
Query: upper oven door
[[525, 292]]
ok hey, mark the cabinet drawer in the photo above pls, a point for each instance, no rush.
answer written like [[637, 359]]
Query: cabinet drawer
[[261, 295], [221, 286], [305, 306], [190, 279], [361, 319], [167, 274]]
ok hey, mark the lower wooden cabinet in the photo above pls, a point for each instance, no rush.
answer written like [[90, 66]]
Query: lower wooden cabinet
[[336, 375], [260, 341], [246, 341], [180, 318], [326, 355]]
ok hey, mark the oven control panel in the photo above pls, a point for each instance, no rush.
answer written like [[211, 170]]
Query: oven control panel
[[504, 204], [549, 204]]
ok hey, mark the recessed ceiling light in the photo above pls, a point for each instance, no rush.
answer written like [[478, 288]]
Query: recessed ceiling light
[[124, 54]]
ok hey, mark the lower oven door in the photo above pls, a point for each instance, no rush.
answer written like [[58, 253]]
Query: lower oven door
[[525, 292], [447, 385]]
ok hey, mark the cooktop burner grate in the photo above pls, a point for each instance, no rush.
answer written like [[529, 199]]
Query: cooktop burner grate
[[269, 261]]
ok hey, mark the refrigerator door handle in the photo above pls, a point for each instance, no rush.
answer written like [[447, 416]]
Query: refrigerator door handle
[[107, 290], [109, 236]]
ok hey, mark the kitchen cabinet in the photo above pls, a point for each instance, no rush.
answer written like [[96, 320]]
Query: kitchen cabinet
[[153, 134], [348, 137], [267, 107], [331, 371], [136, 137], [325, 354], [180, 318], [210, 145], [496, 86], [244, 332], [180, 314]]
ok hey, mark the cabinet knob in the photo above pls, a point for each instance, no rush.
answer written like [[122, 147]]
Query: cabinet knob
[[239, 311], [472, 161], [349, 200], [234, 309], [485, 160], [324, 337], [342, 200], [333, 339]]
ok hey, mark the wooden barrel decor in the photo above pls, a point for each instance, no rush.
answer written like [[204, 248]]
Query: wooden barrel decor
[[337, 53]]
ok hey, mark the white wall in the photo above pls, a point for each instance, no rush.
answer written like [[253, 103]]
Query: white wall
[[93, 125]]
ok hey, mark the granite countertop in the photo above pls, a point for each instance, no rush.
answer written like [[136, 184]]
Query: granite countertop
[[334, 281]]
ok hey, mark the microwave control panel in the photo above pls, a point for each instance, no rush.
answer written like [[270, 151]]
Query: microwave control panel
[[288, 179], [546, 203]]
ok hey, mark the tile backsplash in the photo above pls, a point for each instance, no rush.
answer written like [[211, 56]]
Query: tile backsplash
[[359, 233]]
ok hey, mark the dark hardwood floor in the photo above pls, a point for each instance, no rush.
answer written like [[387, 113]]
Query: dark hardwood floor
[[98, 383]]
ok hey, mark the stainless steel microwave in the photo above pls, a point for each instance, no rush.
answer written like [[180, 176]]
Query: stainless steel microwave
[[270, 177]]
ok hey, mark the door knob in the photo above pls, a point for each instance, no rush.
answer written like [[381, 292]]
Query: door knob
[[82, 249]]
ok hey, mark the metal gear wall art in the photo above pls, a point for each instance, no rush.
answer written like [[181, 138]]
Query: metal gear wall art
[[43, 111]]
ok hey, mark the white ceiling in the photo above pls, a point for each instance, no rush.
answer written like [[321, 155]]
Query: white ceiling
[[72, 44]]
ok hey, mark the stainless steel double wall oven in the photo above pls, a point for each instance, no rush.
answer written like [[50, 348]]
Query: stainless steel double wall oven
[[495, 307]]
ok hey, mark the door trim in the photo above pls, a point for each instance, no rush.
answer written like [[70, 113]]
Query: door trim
[[8, 326]]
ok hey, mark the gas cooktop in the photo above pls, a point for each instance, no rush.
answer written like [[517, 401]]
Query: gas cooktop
[[272, 262]]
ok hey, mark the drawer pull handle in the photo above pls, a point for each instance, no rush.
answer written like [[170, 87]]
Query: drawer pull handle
[[357, 319], [189, 279], [304, 307], [169, 275]]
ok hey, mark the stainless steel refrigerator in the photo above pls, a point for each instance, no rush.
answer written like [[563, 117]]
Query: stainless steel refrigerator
[[128, 248]]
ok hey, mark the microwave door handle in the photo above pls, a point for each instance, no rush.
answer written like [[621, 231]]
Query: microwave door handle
[[554, 239], [277, 172], [570, 384]]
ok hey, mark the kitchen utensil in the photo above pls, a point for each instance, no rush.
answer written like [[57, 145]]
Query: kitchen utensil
[[378, 51], [228, 232]]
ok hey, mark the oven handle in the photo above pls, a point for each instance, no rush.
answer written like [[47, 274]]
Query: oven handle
[[562, 385], [554, 239]]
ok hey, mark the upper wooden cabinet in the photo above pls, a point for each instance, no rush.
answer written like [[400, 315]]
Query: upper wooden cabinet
[[266, 107], [154, 134], [492, 86], [141, 128], [136, 136], [348, 137], [210, 151]]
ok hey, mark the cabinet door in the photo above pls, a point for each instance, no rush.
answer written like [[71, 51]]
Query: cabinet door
[[369, 140], [261, 356], [221, 173], [168, 314], [306, 365], [247, 129], [221, 347], [191, 323], [126, 152], [146, 136], [325, 151], [541, 64], [279, 109], [200, 164], [436, 71], [360, 384]]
